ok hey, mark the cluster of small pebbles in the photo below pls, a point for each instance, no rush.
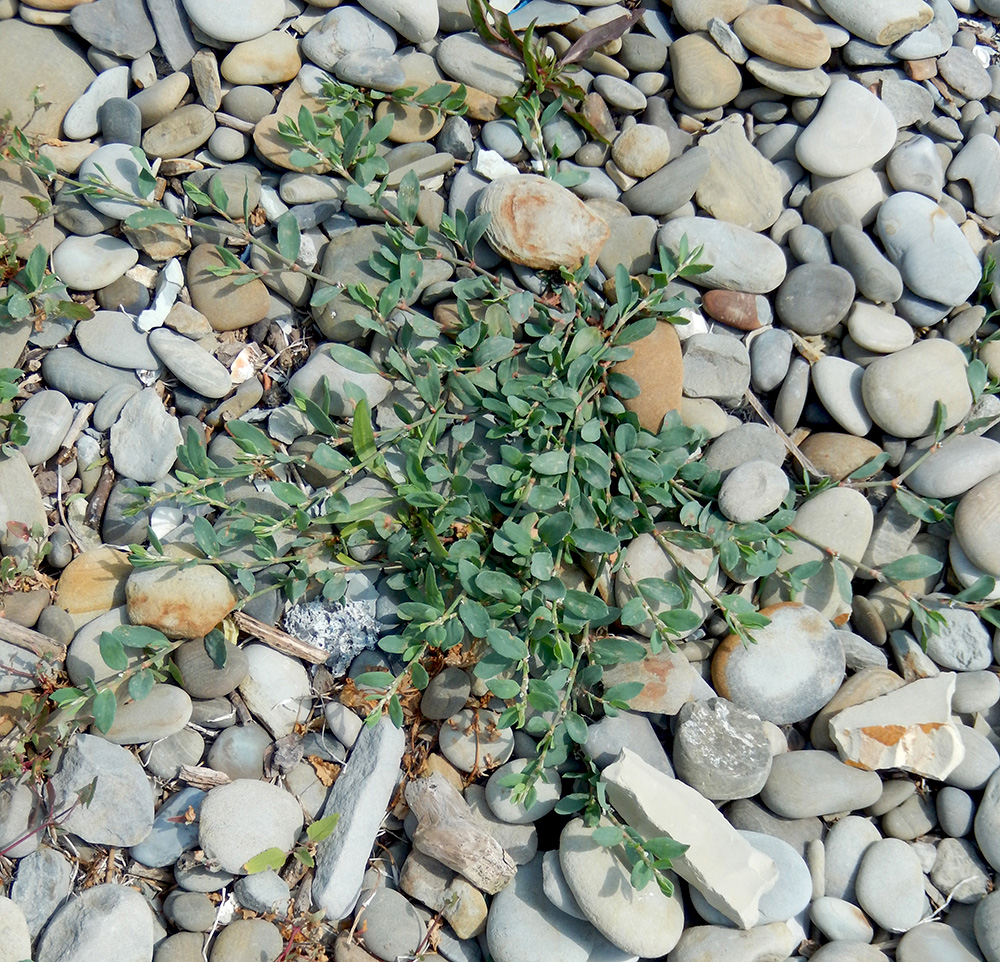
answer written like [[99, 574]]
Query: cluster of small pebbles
[[837, 783]]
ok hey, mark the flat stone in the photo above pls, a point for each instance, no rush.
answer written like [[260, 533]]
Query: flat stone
[[805, 783], [28, 53], [705, 77], [721, 750], [933, 256], [671, 186], [246, 938], [121, 811], [771, 941], [839, 920], [524, 926], [142, 419], [729, 873], [741, 186], [180, 602], [977, 162], [360, 795], [190, 364], [322, 368], [641, 922], [814, 298], [47, 417], [837, 383], [789, 80], [964, 71], [881, 25], [110, 337], [119, 27], [936, 942], [752, 491], [741, 259], [521, 209], [239, 751], [851, 131], [244, 818], [900, 391], [163, 712], [81, 120], [76, 375], [173, 31], [88, 263], [226, 306], [498, 796], [795, 667], [180, 132], [235, 20], [876, 330], [783, 35], [874, 275], [890, 885], [105, 921]]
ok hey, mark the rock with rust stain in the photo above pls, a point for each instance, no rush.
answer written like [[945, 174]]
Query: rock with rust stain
[[657, 367], [909, 728], [668, 680], [540, 224], [745, 312], [180, 602]]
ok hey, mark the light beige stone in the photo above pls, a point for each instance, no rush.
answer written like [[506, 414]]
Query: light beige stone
[[719, 862], [909, 728]]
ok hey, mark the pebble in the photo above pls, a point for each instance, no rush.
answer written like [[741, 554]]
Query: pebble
[[814, 298], [837, 383], [840, 921], [890, 886], [104, 921], [41, 884], [233, 20], [86, 263], [705, 77], [805, 783], [392, 927], [47, 417], [753, 491], [144, 419], [470, 740], [791, 672], [190, 364], [547, 789], [163, 712], [247, 938]]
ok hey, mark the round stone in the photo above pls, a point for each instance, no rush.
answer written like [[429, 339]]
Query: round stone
[[119, 166], [752, 491], [201, 677], [901, 390], [876, 330], [163, 712], [239, 751], [850, 132], [226, 305], [234, 20], [814, 298], [890, 885], [641, 150], [247, 939], [837, 383], [88, 263], [547, 788], [977, 525], [790, 673], [704, 76], [470, 740], [243, 819], [806, 783], [783, 35], [721, 750], [270, 59], [839, 920], [391, 925], [931, 252]]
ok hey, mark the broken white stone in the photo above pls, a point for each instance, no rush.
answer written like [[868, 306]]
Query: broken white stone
[[489, 164], [719, 862], [909, 728], [168, 286]]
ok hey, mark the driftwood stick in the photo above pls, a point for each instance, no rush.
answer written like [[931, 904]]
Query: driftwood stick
[[202, 777], [280, 640], [30, 640], [448, 831]]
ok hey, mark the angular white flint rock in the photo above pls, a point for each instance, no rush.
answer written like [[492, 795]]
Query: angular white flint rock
[[719, 862], [909, 728], [360, 795]]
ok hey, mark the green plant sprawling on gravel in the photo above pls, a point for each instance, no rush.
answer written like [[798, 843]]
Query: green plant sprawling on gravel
[[515, 475]]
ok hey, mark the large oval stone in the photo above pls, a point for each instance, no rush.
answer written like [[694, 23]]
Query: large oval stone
[[793, 670], [901, 390], [977, 525], [540, 224]]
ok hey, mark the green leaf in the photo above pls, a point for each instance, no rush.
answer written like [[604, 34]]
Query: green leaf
[[912, 567], [62, 696], [197, 194], [506, 645], [150, 217], [395, 708], [978, 376], [323, 827], [982, 588], [362, 435], [374, 679], [550, 462], [608, 836], [505, 688], [330, 459], [289, 238], [595, 539], [641, 875], [869, 467], [141, 684], [581, 604], [217, 647], [475, 618], [104, 709], [141, 636], [940, 420], [419, 677], [625, 691], [272, 858], [664, 847], [352, 359], [204, 534], [288, 493], [554, 528], [408, 197], [576, 727], [113, 651], [250, 438], [679, 620]]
